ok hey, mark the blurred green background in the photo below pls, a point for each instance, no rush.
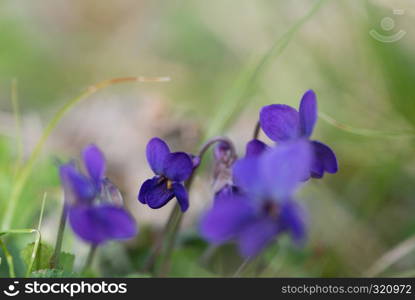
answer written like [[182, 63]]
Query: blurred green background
[[211, 50]]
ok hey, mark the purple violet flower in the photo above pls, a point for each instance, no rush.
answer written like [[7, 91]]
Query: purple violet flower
[[262, 207], [92, 215], [282, 123], [171, 169]]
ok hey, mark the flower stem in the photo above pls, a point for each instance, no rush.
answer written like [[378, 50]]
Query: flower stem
[[256, 131], [155, 251], [171, 241], [172, 236], [205, 147], [90, 258], [54, 260], [242, 268], [208, 253]]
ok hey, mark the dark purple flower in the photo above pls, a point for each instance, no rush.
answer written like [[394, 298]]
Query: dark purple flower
[[93, 215], [262, 207], [282, 123], [171, 169]]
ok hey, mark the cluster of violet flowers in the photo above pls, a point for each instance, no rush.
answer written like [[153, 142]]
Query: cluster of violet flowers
[[259, 204], [254, 196]]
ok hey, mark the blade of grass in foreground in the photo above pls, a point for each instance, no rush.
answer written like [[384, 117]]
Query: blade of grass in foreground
[[18, 122], [246, 85], [27, 168], [9, 257]]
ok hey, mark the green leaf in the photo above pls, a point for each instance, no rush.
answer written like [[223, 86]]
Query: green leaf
[[224, 260], [66, 261], [42, 257], [185, 263]]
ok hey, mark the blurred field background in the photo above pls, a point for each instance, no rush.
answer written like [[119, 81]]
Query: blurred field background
[[55, 49]]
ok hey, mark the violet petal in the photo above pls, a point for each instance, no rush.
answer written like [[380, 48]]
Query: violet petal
[[181, 195], [157, 151], [178, 166], [308, 113], [228, 216], [99, 224], [280, 122], [256, 236]]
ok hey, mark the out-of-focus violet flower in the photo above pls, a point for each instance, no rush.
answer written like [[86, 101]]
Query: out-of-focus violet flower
[[282, 123], [171, 170], [262, 207], [93, 215]]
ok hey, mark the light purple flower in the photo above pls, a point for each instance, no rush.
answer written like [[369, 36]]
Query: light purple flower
[[282, 123], [92, 215], [262, 207]]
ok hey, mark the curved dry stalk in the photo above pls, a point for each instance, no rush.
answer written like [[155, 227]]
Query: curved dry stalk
[[391, 257], [26, 169]]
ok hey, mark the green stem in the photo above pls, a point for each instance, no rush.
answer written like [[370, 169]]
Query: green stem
[[175, 226], [90, 258], [155, 251], [171, 241], [54, 261], [9, 259], [35, 248], [27, 168], [208, 253]]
